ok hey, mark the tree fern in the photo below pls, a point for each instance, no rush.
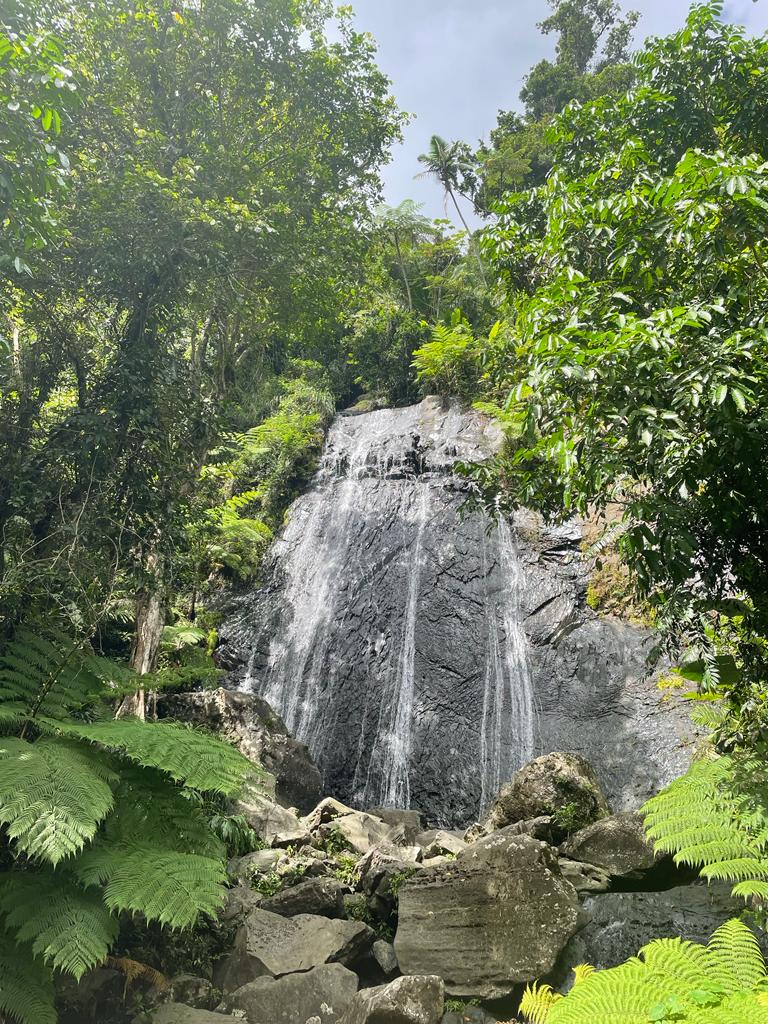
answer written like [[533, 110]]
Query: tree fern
[[53, 795], [26, 985], [670, 980], [115, 806], [67, 928], [188, 755], [714, 818]]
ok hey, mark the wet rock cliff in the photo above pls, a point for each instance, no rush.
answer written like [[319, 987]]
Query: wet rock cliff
[[424, 653]]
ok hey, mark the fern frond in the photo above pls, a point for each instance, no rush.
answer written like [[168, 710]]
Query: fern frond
[[677, 960], [737, 870], [169, 887], [191, 757], [67, 928], [751, 889], [537, 1001], [581, 972], [26, 985], [735, 957], [53, 795]]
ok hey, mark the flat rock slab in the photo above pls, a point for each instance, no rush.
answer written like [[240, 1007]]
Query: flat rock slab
[[322, 993], [499, 915], [418, 1000], [270, 945], [176, 1013]]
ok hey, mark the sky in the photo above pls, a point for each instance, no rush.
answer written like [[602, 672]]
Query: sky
[[455, 63]]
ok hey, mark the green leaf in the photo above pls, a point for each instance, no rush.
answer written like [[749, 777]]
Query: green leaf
[[26, 985], [53, 795]]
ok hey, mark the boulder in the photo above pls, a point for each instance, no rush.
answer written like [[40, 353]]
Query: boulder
[[192, 991], [439, 843], [382, 871], [239, 902], [323, 897], [469, 1015], [584, 877], [408, 823], [267, 818], [247, 721], [321, 994], [177, 1013], [243, 869], [499, 915], [270, 945], [618, 924], [361, 831], [562, 785], [414, 1000], [385, 956], [616, 844]]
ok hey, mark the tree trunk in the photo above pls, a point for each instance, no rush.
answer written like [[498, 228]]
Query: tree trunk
[[150, 620], [469, 237], [403, 271]]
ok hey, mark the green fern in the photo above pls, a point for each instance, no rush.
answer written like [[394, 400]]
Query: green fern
[[114, 805], [53, 795], [669, 980], [26, 985], [67, 928], [714, 818]]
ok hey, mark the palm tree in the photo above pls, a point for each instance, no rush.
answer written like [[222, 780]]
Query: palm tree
[[444, 162]]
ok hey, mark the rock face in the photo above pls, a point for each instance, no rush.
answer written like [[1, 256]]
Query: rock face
[[423, 658], [404, 1001], [621, 923], [563, 785], [270, 945], [321, 994], [259, 733], [498, 915]]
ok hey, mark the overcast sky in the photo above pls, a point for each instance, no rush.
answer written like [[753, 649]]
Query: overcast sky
[[455, 63]]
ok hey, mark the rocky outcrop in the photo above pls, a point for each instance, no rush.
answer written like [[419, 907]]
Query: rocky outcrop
[[563, 786], [404, 1001], [463, 922], [258, 732], [270, 945], [321, 994], [385, 612]]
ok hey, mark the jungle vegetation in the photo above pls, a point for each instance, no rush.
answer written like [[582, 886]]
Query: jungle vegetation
[[197, 270]]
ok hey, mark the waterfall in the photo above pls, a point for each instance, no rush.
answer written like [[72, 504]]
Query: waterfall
[[389, 636]]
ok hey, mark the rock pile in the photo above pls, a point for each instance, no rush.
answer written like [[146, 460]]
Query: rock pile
[[364, 917]]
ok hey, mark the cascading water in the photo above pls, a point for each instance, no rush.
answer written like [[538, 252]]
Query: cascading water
[[424, 654]]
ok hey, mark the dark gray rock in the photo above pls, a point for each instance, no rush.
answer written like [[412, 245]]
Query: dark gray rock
[[616, 844], [585, 878], [469, 1015], [270, 945], [560, 784], [407, 822], [247, 721], [321, 994], [191, 990], [176, 1013], [379, 586], [500, 914], [619, 924], [320, 896], [415, 1000], [385, 956]]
